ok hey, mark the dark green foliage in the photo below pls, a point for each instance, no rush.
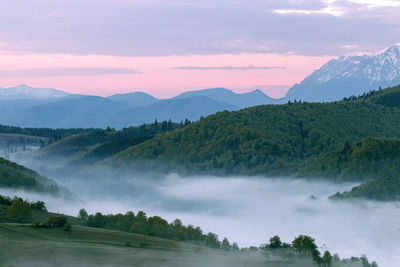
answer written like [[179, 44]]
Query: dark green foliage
[[302, 247], [385, 186], [38, 205], [326, 259], [225, 245], [275, 243], [19, 211], [13, 175], [305, 246], [374, 159], [152, 226], [212, 240], [83, 215], [53, 134], [265, 139], [361, 161], [56, 221], [97, 145]]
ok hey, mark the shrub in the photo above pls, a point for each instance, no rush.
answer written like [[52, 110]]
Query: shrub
[[56, 221], [19, 211]]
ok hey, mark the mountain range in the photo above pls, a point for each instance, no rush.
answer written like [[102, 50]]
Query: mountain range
[[339, 78], [118, 111]]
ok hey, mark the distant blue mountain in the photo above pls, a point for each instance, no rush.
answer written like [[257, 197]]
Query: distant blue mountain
[[69, 112], [76, 111], [134, 100], [191, 108], [120, 110], [223, 95], [26, 92]]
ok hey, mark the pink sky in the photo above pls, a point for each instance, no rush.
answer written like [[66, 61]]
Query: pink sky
[[157, 76]]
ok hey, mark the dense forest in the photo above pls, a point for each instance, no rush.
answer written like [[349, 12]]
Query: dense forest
[[52, 134], [385, 186], [269, 139], [13, 175], [373, 159], [96, 145]]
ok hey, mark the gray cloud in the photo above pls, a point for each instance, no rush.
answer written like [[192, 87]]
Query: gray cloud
[[157, 28], [42, 72], [250, 67]]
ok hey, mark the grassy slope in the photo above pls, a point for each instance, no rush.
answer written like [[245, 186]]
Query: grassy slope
[[22, 245], [262, 139]]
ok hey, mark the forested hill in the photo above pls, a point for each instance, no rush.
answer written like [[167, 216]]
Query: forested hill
[[52, 134], [93, 146], [367, 158], [16, 176], [269, 138], [377, 159]]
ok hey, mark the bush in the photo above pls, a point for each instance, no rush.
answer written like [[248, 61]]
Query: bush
[[19, 211], [68, 227], [56, 221]]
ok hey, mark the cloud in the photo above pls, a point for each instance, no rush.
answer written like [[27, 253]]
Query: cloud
[[329, 9], [377, 3], [176, 27], [51, 72], [349, 46], [250, 67]]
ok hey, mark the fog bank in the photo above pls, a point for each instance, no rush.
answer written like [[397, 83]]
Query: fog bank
[[249, 210]]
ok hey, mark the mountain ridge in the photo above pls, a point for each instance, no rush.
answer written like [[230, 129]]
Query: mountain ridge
[[26, 92], [349, 75]]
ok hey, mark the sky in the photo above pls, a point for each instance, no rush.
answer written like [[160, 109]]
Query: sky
[[164, 47]]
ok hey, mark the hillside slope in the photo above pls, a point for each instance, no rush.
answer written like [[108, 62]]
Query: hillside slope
[[374, 159], [16, 176], [90, 147], [267, 138]]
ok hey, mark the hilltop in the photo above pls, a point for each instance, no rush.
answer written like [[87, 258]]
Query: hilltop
[[267, 139]]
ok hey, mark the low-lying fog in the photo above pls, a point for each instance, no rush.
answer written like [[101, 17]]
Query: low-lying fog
[[249, 210]]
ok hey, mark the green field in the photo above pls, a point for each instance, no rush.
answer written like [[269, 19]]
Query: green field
[[23, 245]]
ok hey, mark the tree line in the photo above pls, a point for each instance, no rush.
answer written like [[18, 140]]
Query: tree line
[[156, 226], [19, 210], [304, 246]]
